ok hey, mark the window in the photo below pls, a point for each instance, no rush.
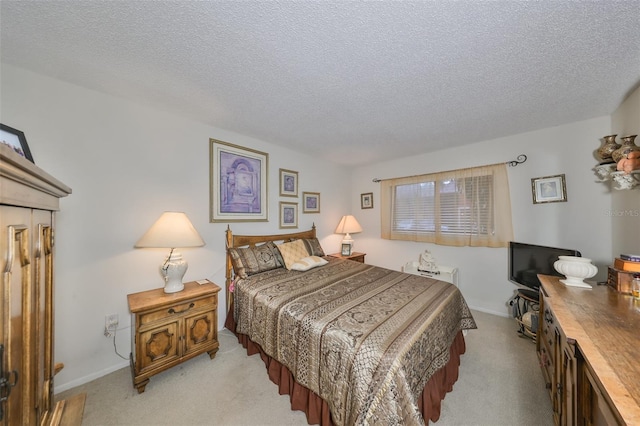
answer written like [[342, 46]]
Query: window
[[468, 207]]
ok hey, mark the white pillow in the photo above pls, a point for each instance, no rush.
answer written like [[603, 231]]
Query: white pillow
[[307, 263]]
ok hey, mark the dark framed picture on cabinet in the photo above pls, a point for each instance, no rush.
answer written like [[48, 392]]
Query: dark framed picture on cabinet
[[16, 140]]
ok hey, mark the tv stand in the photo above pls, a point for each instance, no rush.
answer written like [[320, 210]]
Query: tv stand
[[525, 306]]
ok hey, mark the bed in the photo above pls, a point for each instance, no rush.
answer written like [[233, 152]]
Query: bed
[[351, 343]]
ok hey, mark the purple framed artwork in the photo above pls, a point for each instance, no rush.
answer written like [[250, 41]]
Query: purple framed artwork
[[310, 202], [288, 215], [288, 183], [238, 183]]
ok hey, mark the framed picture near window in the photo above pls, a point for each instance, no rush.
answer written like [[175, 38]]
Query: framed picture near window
[[549, 189], [310, 202], [288, 215], [238, 183], [366, 200], [346, 249], [15, 139], [288, 183]]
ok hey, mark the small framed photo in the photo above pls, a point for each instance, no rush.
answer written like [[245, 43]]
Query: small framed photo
[[310, 202], [346, 249], [288, 183], [366, 200], [16, 140], [288, 215], [549, 189]]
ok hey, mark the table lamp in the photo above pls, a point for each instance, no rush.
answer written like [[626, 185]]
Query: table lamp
[[348, 225], [172, 230]]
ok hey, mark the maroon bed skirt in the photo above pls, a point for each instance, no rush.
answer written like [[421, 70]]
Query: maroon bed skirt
[[317, 409]]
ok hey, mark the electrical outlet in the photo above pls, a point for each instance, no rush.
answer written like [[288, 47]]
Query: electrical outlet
[[110, 324]]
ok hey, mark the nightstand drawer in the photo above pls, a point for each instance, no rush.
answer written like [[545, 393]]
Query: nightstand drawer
[[208, 303]]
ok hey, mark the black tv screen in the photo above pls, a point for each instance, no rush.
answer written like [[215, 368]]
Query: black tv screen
[[526, 261]]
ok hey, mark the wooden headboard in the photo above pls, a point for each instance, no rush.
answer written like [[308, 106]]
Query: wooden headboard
[[252, 241]]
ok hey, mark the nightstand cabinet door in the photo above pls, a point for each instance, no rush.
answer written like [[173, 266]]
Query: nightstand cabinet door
[[157, 346], [200, 331]]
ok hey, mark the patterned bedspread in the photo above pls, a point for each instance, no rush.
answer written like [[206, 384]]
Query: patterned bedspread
[[364, 338]]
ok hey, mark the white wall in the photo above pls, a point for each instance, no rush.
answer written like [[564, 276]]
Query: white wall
[[582, 222], [126, 164], [625, 207]]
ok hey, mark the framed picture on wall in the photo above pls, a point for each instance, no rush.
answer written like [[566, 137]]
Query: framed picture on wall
[[288, 183], [15, 139], [549, 189], [366, 200], [310, 202], [288, 215], [238, 183]]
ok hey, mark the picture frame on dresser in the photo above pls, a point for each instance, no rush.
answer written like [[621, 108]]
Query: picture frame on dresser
[[238, 183], [549, 189], [16, 140], [346, 249]]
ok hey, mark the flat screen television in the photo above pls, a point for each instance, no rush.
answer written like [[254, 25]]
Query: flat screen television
[[526, 261]]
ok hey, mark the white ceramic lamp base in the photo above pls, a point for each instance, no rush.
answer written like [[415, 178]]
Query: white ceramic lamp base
[[173, 270]]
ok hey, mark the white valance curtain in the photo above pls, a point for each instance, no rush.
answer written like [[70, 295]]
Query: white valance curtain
[[466, 207]]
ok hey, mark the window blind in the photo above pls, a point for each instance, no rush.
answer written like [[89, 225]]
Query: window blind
[[460, 207]]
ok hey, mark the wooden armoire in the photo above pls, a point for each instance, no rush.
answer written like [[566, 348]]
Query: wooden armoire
[[29, 198]]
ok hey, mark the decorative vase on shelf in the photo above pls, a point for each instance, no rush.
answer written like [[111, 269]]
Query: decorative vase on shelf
[[576, 269], [626, 147], [605, 151]]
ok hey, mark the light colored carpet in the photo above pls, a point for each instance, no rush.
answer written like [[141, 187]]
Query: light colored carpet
[[500, 384]]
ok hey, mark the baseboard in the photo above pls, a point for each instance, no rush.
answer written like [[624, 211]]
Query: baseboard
[[489, 311], [86, 379]]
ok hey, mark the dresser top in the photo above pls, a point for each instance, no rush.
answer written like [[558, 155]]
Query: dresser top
[[156, 298], [606, 327]]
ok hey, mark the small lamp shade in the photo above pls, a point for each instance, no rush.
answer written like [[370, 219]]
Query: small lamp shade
[[348, 225], [172, 230]]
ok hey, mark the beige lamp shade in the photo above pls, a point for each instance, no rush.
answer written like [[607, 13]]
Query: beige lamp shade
[[171, 230], [348, 225]]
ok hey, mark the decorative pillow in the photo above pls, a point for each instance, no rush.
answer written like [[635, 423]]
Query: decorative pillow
[[307, 263], [313, 247], [292, 252], [252, 260], [276, 252]]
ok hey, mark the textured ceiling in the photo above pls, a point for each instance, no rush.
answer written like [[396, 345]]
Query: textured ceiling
[[354, 82]]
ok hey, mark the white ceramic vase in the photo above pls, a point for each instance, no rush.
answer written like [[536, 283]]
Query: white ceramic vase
[[576, 269]]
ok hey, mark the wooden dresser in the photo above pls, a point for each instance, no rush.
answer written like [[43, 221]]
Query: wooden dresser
[[28, 199], [589, 350]]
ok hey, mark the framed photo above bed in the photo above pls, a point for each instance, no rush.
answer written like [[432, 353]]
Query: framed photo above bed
[[16, 140], [549, 189], [288, 215], [310, 202], [238, 183], [288, 183]]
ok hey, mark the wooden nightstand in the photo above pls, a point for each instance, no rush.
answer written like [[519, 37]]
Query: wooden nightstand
[[167, 329], [355, 256]]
